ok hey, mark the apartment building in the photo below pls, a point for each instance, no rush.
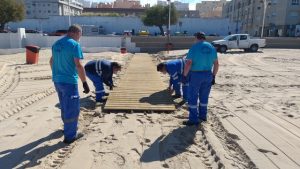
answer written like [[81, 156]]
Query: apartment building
[[127, 4], [210, 9], [180, 6], [39, 9], [105, 5], [281, 18]]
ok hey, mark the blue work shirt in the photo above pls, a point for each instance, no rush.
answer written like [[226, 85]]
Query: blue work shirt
[[203, 55], [63, 65], [175, 68], [102, 68]]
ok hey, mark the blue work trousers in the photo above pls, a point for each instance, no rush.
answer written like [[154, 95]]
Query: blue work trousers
[[177, 86], [97, 81], [199, 89], [70, 107]]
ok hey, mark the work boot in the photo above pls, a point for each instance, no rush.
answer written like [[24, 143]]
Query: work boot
[[78, 136], [176, 96], [189, 123], [103, 100]]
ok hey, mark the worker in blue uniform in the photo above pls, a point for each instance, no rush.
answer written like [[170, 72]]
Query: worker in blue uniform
[[66, 68], [201, 68], [175, 69], [99, 72]]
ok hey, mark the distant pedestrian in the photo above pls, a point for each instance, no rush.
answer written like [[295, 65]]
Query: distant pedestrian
[[66, 67], [175, 69], [201, 59], [99, 72]]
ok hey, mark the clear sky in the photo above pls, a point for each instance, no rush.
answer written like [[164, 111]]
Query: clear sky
[[192, 5]]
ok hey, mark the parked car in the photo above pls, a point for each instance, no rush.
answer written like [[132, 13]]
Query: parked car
[[239, 41], [144, 33], [31, 31], [59, 33]]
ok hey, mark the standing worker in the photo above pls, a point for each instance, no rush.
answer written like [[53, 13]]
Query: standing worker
[[66, 67], [99, 72], [201, 58], [175, 69]]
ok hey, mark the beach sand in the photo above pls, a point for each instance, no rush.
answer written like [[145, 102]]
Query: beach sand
[[253, 119]]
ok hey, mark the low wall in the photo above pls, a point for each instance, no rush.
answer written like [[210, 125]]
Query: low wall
[[97, 43]]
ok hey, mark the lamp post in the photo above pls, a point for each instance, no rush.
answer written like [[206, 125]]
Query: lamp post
[[237, 18], [263, 21], [169, 24], [69, 13]]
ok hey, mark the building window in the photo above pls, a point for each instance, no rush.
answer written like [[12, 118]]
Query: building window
[[49, 11], [295, 2], [294, 14]]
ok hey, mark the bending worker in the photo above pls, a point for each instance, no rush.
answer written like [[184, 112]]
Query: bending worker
[[99, 72], [201, 58], [175, 69]]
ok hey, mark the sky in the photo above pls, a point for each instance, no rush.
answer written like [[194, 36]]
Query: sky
[[192, 3]]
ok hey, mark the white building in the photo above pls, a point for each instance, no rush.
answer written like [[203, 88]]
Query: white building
[[162, 3], [86, 3], [40, 9], [178, 5], [210, 9], [181, 6]]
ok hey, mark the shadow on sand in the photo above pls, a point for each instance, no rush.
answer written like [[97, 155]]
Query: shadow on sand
[[157, 98], [174, 143], [30, 153]]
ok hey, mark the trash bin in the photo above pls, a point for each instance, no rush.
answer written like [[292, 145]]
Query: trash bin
[[32, 54], [123, 50]]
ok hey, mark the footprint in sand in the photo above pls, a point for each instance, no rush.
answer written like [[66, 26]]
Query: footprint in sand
[[229, 115], [139, 120], [267, 151], [233, 136], [10, 135]]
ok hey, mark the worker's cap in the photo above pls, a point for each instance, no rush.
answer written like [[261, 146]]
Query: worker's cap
[[200, 35]]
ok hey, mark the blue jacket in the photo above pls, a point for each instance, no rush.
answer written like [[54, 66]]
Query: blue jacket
[[175, 68], [102, 68]]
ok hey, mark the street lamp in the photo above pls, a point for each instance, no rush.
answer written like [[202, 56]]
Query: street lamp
[[169, 25], [69, 12], [263, 21]]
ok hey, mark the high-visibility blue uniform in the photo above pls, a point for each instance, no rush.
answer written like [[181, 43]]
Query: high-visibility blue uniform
[[99, 72], [203, 55], [175, 70], [65, 77]]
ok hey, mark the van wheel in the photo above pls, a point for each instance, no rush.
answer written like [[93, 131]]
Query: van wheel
[[223, 49], [254, 48]]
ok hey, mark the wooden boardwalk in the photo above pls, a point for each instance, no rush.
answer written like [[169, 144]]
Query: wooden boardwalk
[[140, 89]]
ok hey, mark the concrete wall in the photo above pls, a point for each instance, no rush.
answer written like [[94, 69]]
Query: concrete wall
[[95, 44], [119, 24]]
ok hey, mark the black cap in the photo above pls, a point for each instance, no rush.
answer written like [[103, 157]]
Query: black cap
[[200, 35]]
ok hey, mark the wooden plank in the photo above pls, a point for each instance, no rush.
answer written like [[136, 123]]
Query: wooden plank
[[140, 88]]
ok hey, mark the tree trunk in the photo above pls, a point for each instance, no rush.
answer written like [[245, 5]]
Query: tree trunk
[[161, 30]]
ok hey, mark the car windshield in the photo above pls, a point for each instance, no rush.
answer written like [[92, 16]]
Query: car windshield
[[228, 37]]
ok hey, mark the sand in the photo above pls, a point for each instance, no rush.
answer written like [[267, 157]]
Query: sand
[[254, 119]]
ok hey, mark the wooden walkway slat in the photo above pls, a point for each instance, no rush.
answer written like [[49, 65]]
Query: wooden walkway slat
[[141, 88]]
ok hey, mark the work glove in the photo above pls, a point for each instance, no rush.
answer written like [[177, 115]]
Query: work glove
[[184, 80], [213, 80], [85, 87], [111, 87]]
